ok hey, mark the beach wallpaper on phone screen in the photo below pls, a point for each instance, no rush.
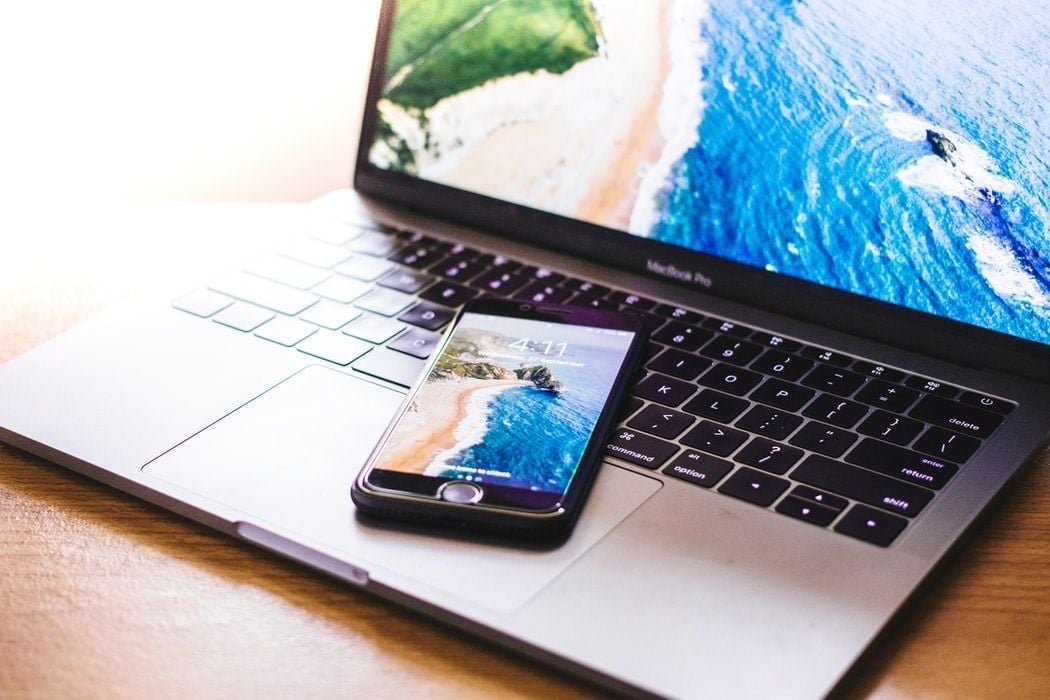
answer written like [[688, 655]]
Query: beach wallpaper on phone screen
[[892, 148]]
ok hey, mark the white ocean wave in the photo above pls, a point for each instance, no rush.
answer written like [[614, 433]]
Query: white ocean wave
[[471, 429], [1005, 274]]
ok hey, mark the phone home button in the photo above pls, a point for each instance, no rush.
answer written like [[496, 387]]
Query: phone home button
[[460, 492]]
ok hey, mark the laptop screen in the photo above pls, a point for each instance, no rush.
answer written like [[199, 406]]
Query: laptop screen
[[895, 150]]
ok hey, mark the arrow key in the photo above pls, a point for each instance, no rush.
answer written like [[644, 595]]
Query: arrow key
[[754, 486], [804, 510]]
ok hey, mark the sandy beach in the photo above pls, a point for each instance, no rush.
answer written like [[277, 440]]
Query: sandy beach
[[436, 423]]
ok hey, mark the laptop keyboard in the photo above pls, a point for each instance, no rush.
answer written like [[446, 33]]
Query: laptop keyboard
[[837, 441]]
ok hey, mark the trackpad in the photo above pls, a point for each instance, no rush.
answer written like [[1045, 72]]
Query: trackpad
[[286, 461]]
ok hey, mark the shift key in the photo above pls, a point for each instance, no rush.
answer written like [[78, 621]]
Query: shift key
[[862, 485], [639, 448]]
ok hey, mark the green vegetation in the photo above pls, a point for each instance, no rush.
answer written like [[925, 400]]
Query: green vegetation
[[439, 48]]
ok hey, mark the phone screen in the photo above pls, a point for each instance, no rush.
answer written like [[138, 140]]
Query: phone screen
[[511, 404]]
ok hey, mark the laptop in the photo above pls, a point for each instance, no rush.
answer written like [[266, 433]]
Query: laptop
[[834, 220]]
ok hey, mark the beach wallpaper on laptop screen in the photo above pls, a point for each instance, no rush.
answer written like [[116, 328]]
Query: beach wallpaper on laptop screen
[[892, 148], [512, 402]]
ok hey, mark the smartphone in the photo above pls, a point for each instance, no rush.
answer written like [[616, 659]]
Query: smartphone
[[503, 434]]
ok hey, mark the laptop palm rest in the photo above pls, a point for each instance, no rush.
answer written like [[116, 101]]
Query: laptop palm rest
[[286, 461]]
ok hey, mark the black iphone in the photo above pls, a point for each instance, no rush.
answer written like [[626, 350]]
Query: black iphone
[[503, 434]]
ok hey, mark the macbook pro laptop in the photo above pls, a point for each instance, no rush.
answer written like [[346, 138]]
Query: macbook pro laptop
[[834, 217]]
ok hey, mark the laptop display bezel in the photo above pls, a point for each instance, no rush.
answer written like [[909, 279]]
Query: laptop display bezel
[[884, 322]]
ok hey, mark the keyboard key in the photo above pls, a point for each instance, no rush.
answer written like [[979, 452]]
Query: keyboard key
[[630, 405], [728, 327], [871, 525], [499, 282], [330, 314], [416, 342], [202, 302], [334, 232], [891, 397], [832, 409], [287, 271], [947, 444], [314, 252], [932, 386], [587, 287], [334, 347], [342, 289], [365, 267], [824, 439], [824, 355], [263, 292], [889, 427], [679, 314], [449, 294], [716, 405], [458, 250], [385, 302], [799, 509], [699, 468], [592, 302], [416, 256], [754, 486], [953, 415], [771, 422], [662, 422], [395, 367], [427, 316], [679, 364], [404, 280], [878, 371], [729, 349], [504, 264], [770, 456], [770, 340], [790, 397], [833, 380], [633, 301], [862, 485], [902, 463], [663, 389], [639, 448], [987, 402], [782, 365], [375, 243], [374, 329], [730, 379], [457, 269], [542, 273], [714, 438], [824, 498], [682, 336], [285, 331], [543, 293], [243, 316]]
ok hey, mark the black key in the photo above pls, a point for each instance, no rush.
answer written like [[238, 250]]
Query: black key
[[639, 448], [806, 511], [457, 250], [892, 397], [458, 269], [824, 439], [630, 405], [770, 340], [543, 293], [770, 456], [731, 379], [679, 314], [375, 243], [878, 371], [871, 525], [698, 468], [782, 365], [714, 404], [408, 281], [499, 282], [834, 380], [652, 321], [679, 364], [427, 316], [891, 428], [632, 300], [754, 486], [663, 389], [901, 463], [395, 367], [542, 273], [581, 299], [824, 355], [504, 264], [947, 444], [415, 238], [981, 401], [661, 421], [416, 342], [449, 294], [587, 287], [682, 336], [953, 415], [832, 409], [723, 326], [771, 422], [714, 438], [862, 485], [822, 497], [931, 386], [729, 349], [416, 256], [790, 397]]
